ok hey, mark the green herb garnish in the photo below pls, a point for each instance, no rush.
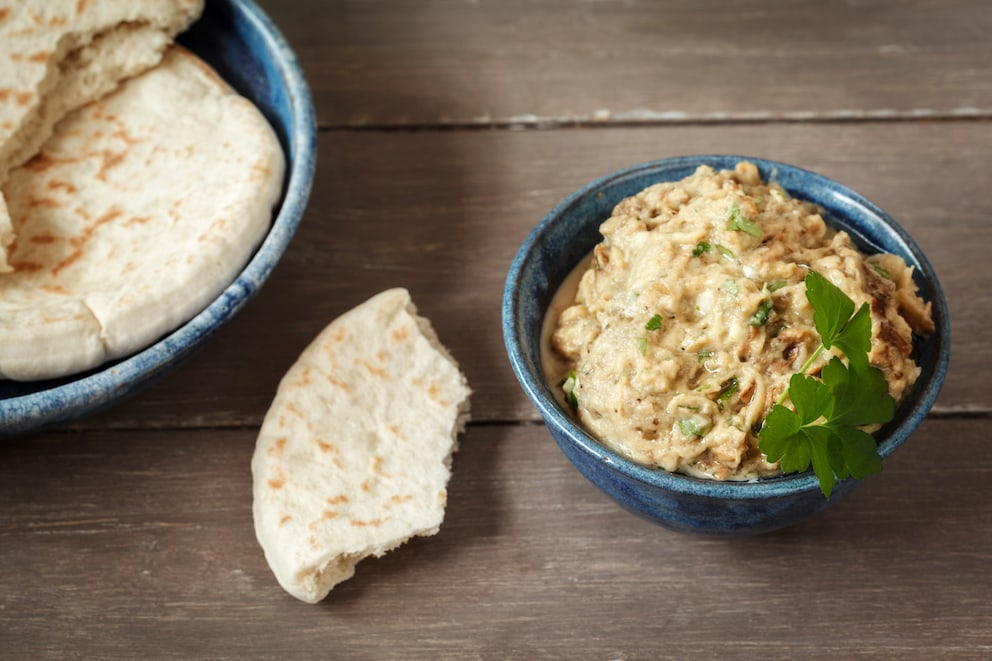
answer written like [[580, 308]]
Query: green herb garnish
[[703, 355], [760, 315], [701, 247], [775, 285], [738, 220], [654, 323], [730, 286], [728, 390], [879, 269], [823, 428], [725, 251], [690, 428], [568, 386], [642, 345]]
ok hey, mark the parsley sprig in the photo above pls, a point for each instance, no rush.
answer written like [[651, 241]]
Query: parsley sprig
[[823, 430]]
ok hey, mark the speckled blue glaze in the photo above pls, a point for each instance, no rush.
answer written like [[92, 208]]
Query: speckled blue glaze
[[571, 230], [242, 44]]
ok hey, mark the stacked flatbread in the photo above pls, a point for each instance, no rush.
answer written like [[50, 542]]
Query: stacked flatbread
[[56, 55], [354, 455], [135, 214]]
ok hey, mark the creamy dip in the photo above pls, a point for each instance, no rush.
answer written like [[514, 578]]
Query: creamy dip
[[686, 322]]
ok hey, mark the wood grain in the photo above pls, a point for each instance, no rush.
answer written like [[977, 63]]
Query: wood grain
[[116, 545], [529, 63]]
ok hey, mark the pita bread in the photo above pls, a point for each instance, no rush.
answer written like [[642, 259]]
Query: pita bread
[[57, 55], [137, 213], [354, 455]]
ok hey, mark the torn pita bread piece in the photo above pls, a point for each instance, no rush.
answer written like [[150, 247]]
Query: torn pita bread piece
[[354, 455], [137, 213], [57, 55]]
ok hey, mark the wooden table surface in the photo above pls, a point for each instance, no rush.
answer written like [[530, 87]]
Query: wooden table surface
[[447, 129]]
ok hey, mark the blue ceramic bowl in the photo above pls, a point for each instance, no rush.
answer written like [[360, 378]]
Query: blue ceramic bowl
[[242, 44], [677, 501]]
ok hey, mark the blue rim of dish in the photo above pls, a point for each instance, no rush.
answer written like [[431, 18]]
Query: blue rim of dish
[[74, 396], [839, 202]]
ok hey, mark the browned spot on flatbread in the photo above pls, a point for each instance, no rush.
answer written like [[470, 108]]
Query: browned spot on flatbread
[[109, 216], [67, 262], [80, 241], [284, 520], [138, 220], [40, 56], [336, 383], [397, 432], [365, 486], [123, 135], [328, 447], [41, 162], [324, 515], [44, 239], [46, 202], [397, 500], [81, 6], [373, 370], [27, 267], [108, 160], [358, 523], [277, 449], [336, 500], [377, 468], [434, 392], [400, 334], [277, 484], [4, 94], [55, 184], [382, 356], [23, 98], [55, 289], [4, 13], [306, 376]]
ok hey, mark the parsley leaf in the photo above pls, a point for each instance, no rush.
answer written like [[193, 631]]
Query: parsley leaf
[[823, 427], [738, 220], [729, 388], [568, 386], [832, 316], [691, 428], [760, 315], [654, 323]]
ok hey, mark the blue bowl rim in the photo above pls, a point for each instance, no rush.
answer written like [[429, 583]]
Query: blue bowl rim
[[557, 418], [80, 396]]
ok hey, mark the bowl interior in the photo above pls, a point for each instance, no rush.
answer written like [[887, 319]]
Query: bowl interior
[[571, 230], [246, 49]]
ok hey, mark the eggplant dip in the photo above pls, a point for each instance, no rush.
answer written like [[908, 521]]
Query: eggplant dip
[[675, 338]]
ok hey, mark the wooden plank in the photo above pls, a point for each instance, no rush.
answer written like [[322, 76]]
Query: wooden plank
[[524, 62], [443, 213], [129, 544]]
